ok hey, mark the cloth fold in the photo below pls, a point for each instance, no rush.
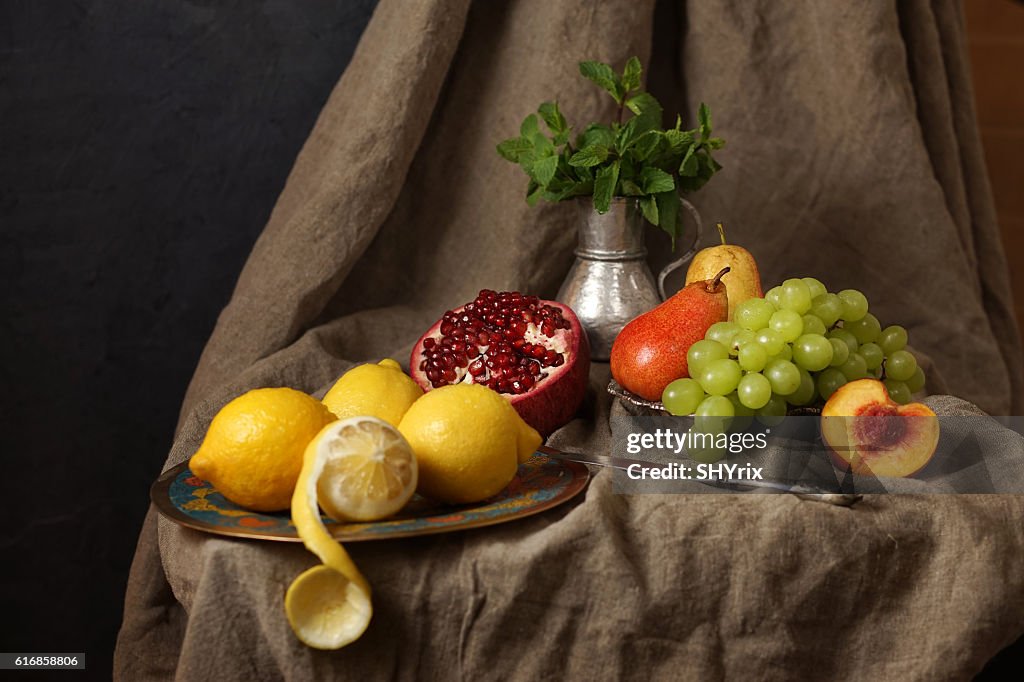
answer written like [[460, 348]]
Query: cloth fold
[[839, 164]]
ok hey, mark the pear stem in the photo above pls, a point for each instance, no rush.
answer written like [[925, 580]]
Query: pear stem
[[717, 281], [721, 232]]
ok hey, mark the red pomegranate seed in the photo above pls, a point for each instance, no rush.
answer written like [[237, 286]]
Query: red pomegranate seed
[[488, 337]]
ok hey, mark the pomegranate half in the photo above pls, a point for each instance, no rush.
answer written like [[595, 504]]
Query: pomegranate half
[[531, 351]]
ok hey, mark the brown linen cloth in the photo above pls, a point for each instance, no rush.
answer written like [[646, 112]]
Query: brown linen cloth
[[852, 156]]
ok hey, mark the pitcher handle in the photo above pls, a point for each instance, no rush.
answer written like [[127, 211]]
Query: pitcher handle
[[686, 257]]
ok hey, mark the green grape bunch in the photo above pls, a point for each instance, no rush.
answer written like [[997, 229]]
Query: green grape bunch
[[793, 348]]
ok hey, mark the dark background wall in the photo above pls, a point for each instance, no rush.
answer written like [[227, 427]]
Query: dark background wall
[[142, 146]]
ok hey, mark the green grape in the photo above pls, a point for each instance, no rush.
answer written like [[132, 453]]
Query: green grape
[[829, 381], [827, 308], [770, 340], [701, 353], [720, 377], [754, 391], [873, 355], [752, 357], [916, 382], [744, 415], [898, 391], [846, 337], [900, 366], [855, 305], [840, 352], [783, 376], [812, 352], [773, 412], [785, 354], [865, 330], [814, 325], [773, 296], [702, 439], [795, 296], [682, 396], [815, 287], [741, 339], [753, 313], [715, 406], [787, 324], [807, 391], [722, 332], [854, 368], [892, 339]]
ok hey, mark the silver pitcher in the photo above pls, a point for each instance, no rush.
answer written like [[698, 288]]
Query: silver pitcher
[[610, 283]]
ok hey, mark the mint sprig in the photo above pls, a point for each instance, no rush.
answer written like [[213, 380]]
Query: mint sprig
[[635, 157]]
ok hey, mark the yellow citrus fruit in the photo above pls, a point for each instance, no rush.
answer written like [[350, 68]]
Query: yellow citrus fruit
[[367, 472], [328, 606], [326, 609], [253, 450], [468, 442], [382, 390]]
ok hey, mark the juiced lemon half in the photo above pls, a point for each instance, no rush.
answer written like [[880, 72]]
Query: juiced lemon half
[[355, 469]]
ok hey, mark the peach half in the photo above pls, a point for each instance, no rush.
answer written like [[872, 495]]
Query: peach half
[[869, 433]]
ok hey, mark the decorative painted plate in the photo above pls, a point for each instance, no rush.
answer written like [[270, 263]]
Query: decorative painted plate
[[540, 484]]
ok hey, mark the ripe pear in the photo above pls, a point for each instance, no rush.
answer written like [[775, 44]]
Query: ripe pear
[[650, 352], [743, 280]]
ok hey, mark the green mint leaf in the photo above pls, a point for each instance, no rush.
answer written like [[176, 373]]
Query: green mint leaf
[[589, 156], [542, 145], [533, 193], [688, 166], [529, 127], [714, 143], [604, 186], [631, 74], [668, 213], [655, 180], [572, 190], [512, 149], [678, 141], [596, 133], [603, 76], [544, 170], [649, 207], [553, 117], [704, 121], [646, 105], [631, 189], [645, 145]]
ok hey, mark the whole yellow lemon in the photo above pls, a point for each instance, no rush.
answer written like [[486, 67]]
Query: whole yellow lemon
[[253, 450], [382, 390], [468, 441]]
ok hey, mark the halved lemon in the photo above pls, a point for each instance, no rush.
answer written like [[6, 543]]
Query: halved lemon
[[355, 469], [366, 469]]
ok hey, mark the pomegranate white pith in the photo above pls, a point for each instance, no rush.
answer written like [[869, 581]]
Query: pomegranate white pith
[[533, 352]]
